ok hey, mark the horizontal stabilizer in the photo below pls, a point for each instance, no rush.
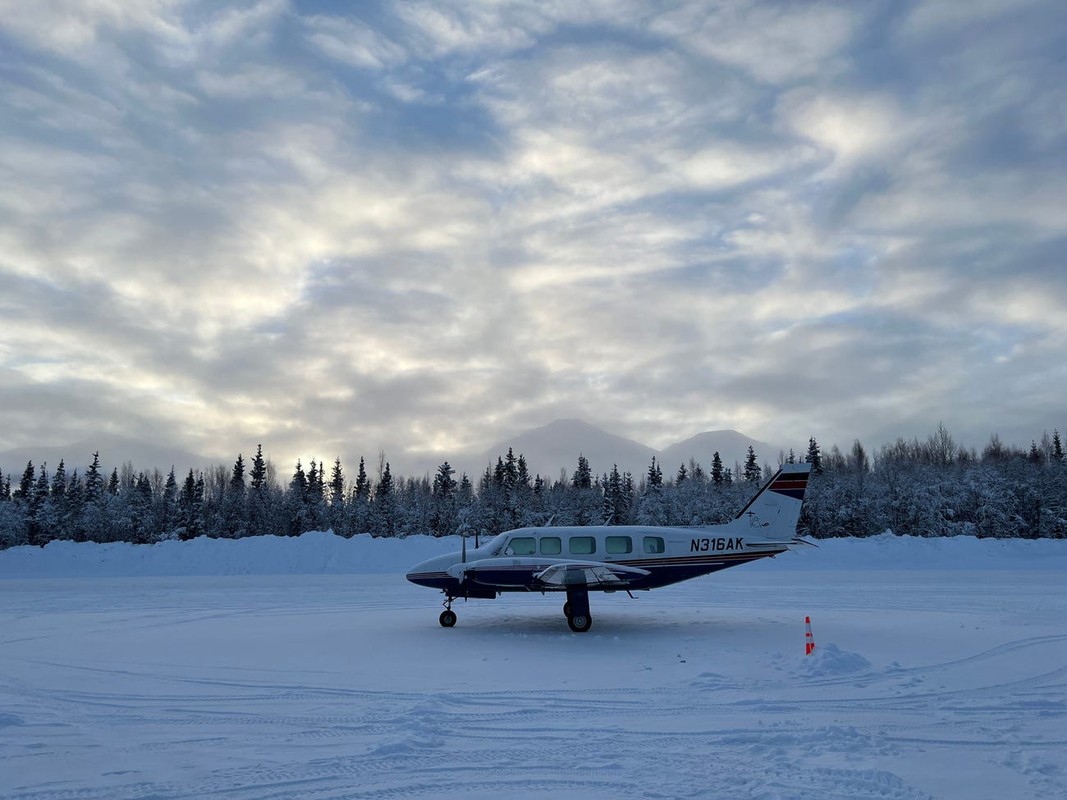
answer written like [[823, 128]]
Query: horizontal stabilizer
[[771, 545]]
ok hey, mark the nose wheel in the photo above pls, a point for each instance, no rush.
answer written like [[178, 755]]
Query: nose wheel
[[448, 616]]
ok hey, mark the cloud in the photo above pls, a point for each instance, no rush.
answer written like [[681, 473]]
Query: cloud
[[424, 226], [354, 42], [773, 42]]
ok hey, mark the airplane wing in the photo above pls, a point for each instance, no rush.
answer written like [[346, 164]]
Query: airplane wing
[[589, 573]]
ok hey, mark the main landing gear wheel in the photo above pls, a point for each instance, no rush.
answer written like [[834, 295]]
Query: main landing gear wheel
[[580, 623], [577, 610], [448, 618]]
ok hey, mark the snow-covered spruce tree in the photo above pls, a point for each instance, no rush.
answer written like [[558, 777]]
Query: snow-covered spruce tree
[[42, 515], [296, 502], [359, 506], [258, 473], [753, 473], [59, 482], [510, 470], [384, 505], [264, 499], [651, 505], [586, 500], [316, 498], [525, 505], [615, 508], [13, 531], [25, 489], [1036, 456], [583, 475], [716, 469], [72, 509], [169, 506], [444, 517], [190, 512], [522, 472], [493, 499], [233, 510], [687, 500], [142, 519], [45, 509], [336, 512], [814, 456]]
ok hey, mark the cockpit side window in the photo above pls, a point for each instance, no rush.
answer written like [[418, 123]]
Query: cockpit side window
[[521, 546], [551, 546], [582, 545], [653, 544]]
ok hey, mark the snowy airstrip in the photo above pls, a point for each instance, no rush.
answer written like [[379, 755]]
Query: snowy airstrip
[[309, 668]]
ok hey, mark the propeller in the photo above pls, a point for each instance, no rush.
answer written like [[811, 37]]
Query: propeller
[[461, 573]]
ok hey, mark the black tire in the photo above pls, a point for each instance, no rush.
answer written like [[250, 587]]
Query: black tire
[[567, 610], [580, 623], [448, 618]]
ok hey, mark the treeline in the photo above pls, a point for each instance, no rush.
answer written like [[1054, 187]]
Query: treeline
[[926, 487]]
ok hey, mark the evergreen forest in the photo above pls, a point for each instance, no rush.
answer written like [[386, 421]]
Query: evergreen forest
[[928, 487]]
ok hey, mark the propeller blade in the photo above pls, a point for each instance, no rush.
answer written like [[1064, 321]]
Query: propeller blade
[[464, 556]]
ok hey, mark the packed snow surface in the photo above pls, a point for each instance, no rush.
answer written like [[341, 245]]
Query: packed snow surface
[[309, 668]]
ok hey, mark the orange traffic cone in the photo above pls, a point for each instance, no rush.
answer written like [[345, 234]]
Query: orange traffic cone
[[809, 640]]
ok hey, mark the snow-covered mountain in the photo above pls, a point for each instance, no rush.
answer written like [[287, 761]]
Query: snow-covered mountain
[[547, 449], [114, 452], [557, 445], [731, 446]]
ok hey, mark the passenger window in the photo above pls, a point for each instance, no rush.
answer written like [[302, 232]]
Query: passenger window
[[582, 545], [654, 544], [619, 544], [521, 546], [551, 546]]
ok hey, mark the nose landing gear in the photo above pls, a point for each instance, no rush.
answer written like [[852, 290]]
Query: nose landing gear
[[448, 616]]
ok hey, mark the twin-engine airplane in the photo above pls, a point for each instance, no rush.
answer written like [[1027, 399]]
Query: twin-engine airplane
[[609, 558]]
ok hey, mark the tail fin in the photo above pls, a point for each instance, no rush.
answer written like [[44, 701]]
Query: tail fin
[[773, 513]]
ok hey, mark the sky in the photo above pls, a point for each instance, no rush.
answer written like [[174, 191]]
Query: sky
[[422, 228]]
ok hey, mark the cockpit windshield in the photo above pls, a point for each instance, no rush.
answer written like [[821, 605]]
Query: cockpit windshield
[[496, 545]]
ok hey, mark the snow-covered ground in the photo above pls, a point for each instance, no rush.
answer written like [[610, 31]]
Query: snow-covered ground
[[255, 669]]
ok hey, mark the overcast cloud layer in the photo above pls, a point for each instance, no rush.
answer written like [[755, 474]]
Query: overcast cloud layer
[[429, 226]]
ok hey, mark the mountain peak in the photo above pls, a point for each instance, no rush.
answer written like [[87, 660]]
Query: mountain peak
[[557, 445]]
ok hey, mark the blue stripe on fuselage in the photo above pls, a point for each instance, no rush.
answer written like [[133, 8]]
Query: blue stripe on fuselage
[[662, 572]]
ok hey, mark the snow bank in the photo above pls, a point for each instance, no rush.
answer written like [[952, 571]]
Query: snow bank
[[313, 553], [324, 553], [887, 551], [828, 660]]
